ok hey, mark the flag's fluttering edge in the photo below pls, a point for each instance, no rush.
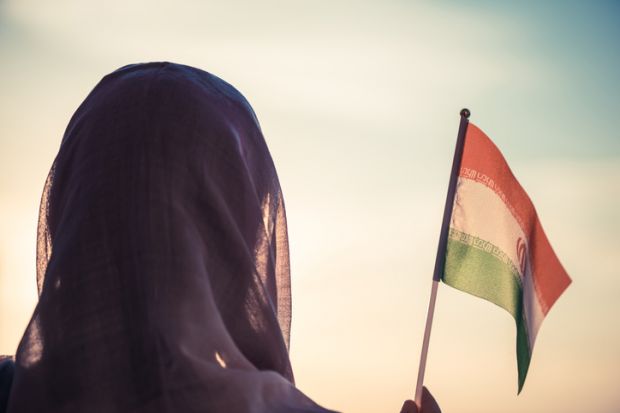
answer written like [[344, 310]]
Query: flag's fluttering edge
[[497, 249]]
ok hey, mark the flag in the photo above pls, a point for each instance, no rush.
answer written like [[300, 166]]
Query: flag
[[496, 247]]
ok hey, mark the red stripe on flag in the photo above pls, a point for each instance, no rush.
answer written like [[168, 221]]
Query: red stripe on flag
[[483, 162]]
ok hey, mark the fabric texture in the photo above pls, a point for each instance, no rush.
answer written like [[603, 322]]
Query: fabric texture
[[162, 257], [7, 368]]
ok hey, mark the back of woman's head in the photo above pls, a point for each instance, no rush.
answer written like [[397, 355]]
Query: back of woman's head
[[162, 255]]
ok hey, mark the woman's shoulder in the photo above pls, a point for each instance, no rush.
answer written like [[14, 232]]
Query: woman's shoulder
[[7, 367]]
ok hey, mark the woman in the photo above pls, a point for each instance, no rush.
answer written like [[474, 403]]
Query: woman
[[162, 257]]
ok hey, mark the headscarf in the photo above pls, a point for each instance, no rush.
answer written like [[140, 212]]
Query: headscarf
[[7, 368], [162, 257]]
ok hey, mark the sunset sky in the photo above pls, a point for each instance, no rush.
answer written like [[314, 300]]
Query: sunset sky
[[359, 105]]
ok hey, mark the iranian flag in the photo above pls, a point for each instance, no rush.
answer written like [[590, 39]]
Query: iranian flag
[[496, 247]]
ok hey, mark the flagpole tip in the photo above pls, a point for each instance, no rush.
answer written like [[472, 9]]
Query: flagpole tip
[[465, 113]]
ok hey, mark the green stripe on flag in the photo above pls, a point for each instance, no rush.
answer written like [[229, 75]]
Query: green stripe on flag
[[483, 274], [523, 352]]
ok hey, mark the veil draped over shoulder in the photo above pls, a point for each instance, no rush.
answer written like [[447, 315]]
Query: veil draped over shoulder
[[162, 257]]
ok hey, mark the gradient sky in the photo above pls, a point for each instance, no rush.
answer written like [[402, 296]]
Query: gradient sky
[[359, 104]]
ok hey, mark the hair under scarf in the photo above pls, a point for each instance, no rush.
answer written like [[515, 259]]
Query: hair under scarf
[[162, 257]]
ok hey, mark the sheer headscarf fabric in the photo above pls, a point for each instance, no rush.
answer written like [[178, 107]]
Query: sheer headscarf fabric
[[162, 257]]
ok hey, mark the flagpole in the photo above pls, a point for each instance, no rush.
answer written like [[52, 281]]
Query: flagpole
[[441, 250]]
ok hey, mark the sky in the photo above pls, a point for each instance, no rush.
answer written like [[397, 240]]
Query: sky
[[359, 104]]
